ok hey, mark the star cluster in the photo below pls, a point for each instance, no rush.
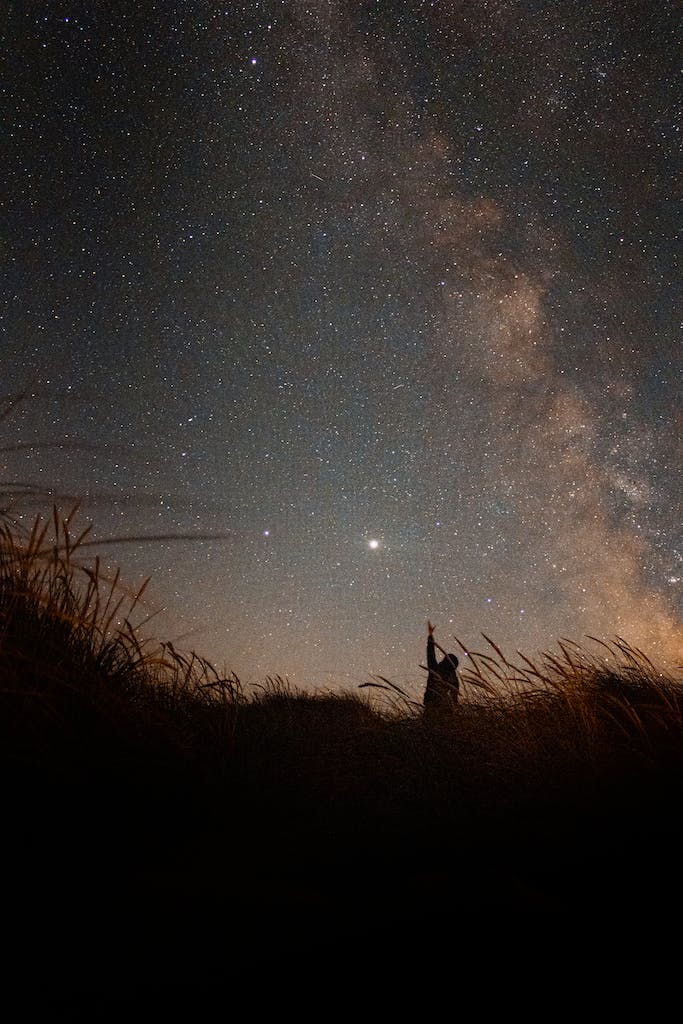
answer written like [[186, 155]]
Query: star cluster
[[372, 305]]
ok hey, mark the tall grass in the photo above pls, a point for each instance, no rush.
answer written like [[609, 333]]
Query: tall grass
[[137, 771], [69, 636]]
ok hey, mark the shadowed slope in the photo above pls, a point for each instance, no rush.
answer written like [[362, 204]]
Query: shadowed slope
[[168, 831]]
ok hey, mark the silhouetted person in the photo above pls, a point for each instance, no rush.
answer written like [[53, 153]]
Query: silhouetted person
[[443, 685]]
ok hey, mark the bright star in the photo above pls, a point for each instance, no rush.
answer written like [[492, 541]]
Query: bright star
[[373, 544]]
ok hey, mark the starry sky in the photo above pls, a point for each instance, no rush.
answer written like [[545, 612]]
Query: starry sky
[[334, 317]]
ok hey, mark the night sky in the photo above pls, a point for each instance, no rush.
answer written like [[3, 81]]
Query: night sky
[[377, 302]]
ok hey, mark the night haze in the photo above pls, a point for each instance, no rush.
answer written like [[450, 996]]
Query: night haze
[[374, 305]]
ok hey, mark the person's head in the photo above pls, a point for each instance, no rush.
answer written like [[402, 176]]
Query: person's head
[[450, 661]]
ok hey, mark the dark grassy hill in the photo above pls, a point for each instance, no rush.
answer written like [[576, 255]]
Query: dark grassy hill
[[167, 834]]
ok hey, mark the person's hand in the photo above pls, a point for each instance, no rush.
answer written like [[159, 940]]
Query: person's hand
[[430, 627]]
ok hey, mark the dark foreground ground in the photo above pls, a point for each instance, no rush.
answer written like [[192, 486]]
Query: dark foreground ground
[[131, 889]]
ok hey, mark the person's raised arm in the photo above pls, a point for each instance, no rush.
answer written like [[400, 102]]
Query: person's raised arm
[[432, 663]]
